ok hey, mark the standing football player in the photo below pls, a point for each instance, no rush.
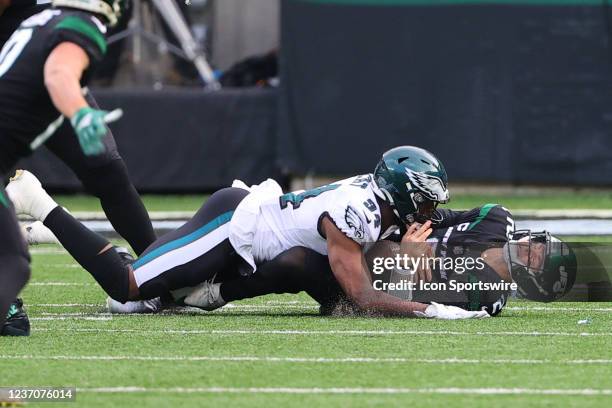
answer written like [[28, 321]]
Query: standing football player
[[43, 67], [239, 230]]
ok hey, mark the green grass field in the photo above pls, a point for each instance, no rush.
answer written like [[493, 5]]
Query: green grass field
[[280, 349], [277, 351]]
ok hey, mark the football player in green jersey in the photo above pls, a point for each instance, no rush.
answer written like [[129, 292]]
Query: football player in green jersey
[[44, 67]]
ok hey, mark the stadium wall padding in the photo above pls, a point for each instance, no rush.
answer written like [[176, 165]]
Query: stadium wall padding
[[515, 91], [179, 140]]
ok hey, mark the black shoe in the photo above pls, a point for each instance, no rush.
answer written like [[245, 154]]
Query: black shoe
[[17, 322]]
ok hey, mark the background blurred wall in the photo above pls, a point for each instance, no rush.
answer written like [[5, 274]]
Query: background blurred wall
[[182, 140], [502, 91], [506, 91], [242, 28]]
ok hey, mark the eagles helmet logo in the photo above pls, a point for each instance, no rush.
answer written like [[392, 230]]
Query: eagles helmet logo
[[431, 186], [354, 222]]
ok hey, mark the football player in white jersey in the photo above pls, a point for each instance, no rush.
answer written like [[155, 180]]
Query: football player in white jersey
[[239, 230]]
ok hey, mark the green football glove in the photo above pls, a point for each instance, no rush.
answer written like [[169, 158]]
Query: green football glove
[[90, 127]]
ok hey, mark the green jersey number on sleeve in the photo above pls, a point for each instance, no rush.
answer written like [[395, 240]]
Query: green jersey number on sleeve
[[296, 199]]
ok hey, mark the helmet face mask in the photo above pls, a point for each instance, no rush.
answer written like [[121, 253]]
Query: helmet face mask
[[413, 182], [419, 209], [543, 267]]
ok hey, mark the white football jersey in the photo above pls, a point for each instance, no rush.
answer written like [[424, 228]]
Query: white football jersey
[[263, 227]]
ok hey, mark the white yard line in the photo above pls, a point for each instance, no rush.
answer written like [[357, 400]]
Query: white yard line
[[60, 284], [250, 308], [355, 390], [560, 309], [65, 305], [290, 332], [185, 310], [48, 251], [263, 305], [70, 318], [268, 304], [290, 302], [64, 266], [297, 304], [316, 360]]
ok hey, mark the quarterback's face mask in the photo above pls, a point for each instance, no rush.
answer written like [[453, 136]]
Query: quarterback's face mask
[[529, 253], [543, 267]]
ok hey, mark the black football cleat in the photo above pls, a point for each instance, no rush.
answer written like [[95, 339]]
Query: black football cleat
[[17, 322]]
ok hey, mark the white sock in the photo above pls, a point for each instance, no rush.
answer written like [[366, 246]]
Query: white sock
[[44, 206]]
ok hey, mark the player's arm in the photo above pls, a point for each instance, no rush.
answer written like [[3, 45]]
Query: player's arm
[[63, 71], [349, 268], [347, 263]]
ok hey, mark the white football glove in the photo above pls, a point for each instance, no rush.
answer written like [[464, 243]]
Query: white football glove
[[440, 311]]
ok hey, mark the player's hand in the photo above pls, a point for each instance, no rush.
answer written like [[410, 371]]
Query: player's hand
[[440, 311], [415, 246], [90, 126]]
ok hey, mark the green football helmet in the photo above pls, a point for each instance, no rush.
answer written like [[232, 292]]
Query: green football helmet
[[413, 181], [555, 272], [110, 9]]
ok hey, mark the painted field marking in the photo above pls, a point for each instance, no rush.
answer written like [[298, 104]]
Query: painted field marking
[[354, 390], [170, 312], [290, 332], [61, 284], [94, 318], [48, 251], [66, 305], [293, 304], [269, 359], [64, 266], [559, 309]]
